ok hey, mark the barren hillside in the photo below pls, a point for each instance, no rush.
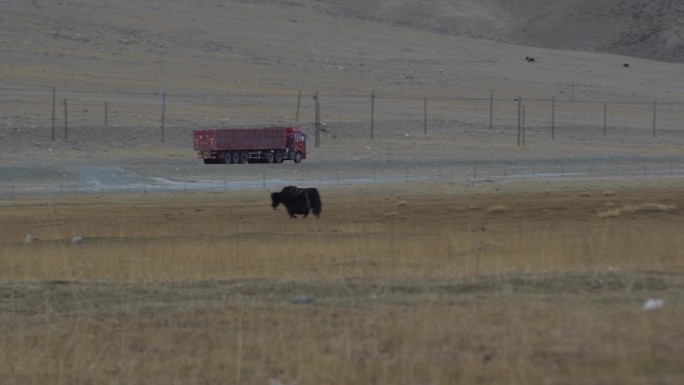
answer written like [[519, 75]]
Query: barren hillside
[[332, 44], [651, 29]]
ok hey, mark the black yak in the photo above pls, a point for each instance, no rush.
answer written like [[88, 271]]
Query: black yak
[[297, 200]]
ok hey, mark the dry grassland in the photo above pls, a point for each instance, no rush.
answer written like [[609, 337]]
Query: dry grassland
[[389, 286], [395, 284]]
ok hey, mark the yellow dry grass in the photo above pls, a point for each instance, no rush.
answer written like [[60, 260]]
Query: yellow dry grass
[[389, 286]]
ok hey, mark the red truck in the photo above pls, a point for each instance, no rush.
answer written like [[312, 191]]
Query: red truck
[[242, 145]]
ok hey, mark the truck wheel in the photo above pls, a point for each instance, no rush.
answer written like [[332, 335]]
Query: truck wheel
[[227, 158], [244, 157], [298, 157], [270, 157], [236, 157], [278, 157]]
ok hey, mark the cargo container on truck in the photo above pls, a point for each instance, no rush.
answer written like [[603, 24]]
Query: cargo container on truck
[[250, 145]]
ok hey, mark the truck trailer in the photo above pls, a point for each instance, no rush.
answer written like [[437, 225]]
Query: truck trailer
[[250, 145]]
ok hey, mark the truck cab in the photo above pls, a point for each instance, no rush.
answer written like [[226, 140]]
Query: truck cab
[[296, 145]]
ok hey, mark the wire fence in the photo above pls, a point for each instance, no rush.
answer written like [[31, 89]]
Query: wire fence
[[46, 113], [50, 112]]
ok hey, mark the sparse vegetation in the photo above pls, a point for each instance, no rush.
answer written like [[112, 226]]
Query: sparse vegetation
[[198, 288], [641, 208]]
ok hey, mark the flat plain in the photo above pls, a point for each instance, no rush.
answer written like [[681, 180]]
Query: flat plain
[[390, 285], [447, 251]]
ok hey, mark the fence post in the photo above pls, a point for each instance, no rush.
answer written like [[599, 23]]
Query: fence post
[[372, 127], [317, 121], [553, 117], [519, 118], [573, 103], [318, 125], [54, 108], [605, 119], [523, 127], [163, 114], [66, 124], [299, 103], [425, 119], [491, 109], [654, 118]]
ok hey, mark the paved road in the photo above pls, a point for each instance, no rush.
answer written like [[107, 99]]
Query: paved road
[[191, 175]]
